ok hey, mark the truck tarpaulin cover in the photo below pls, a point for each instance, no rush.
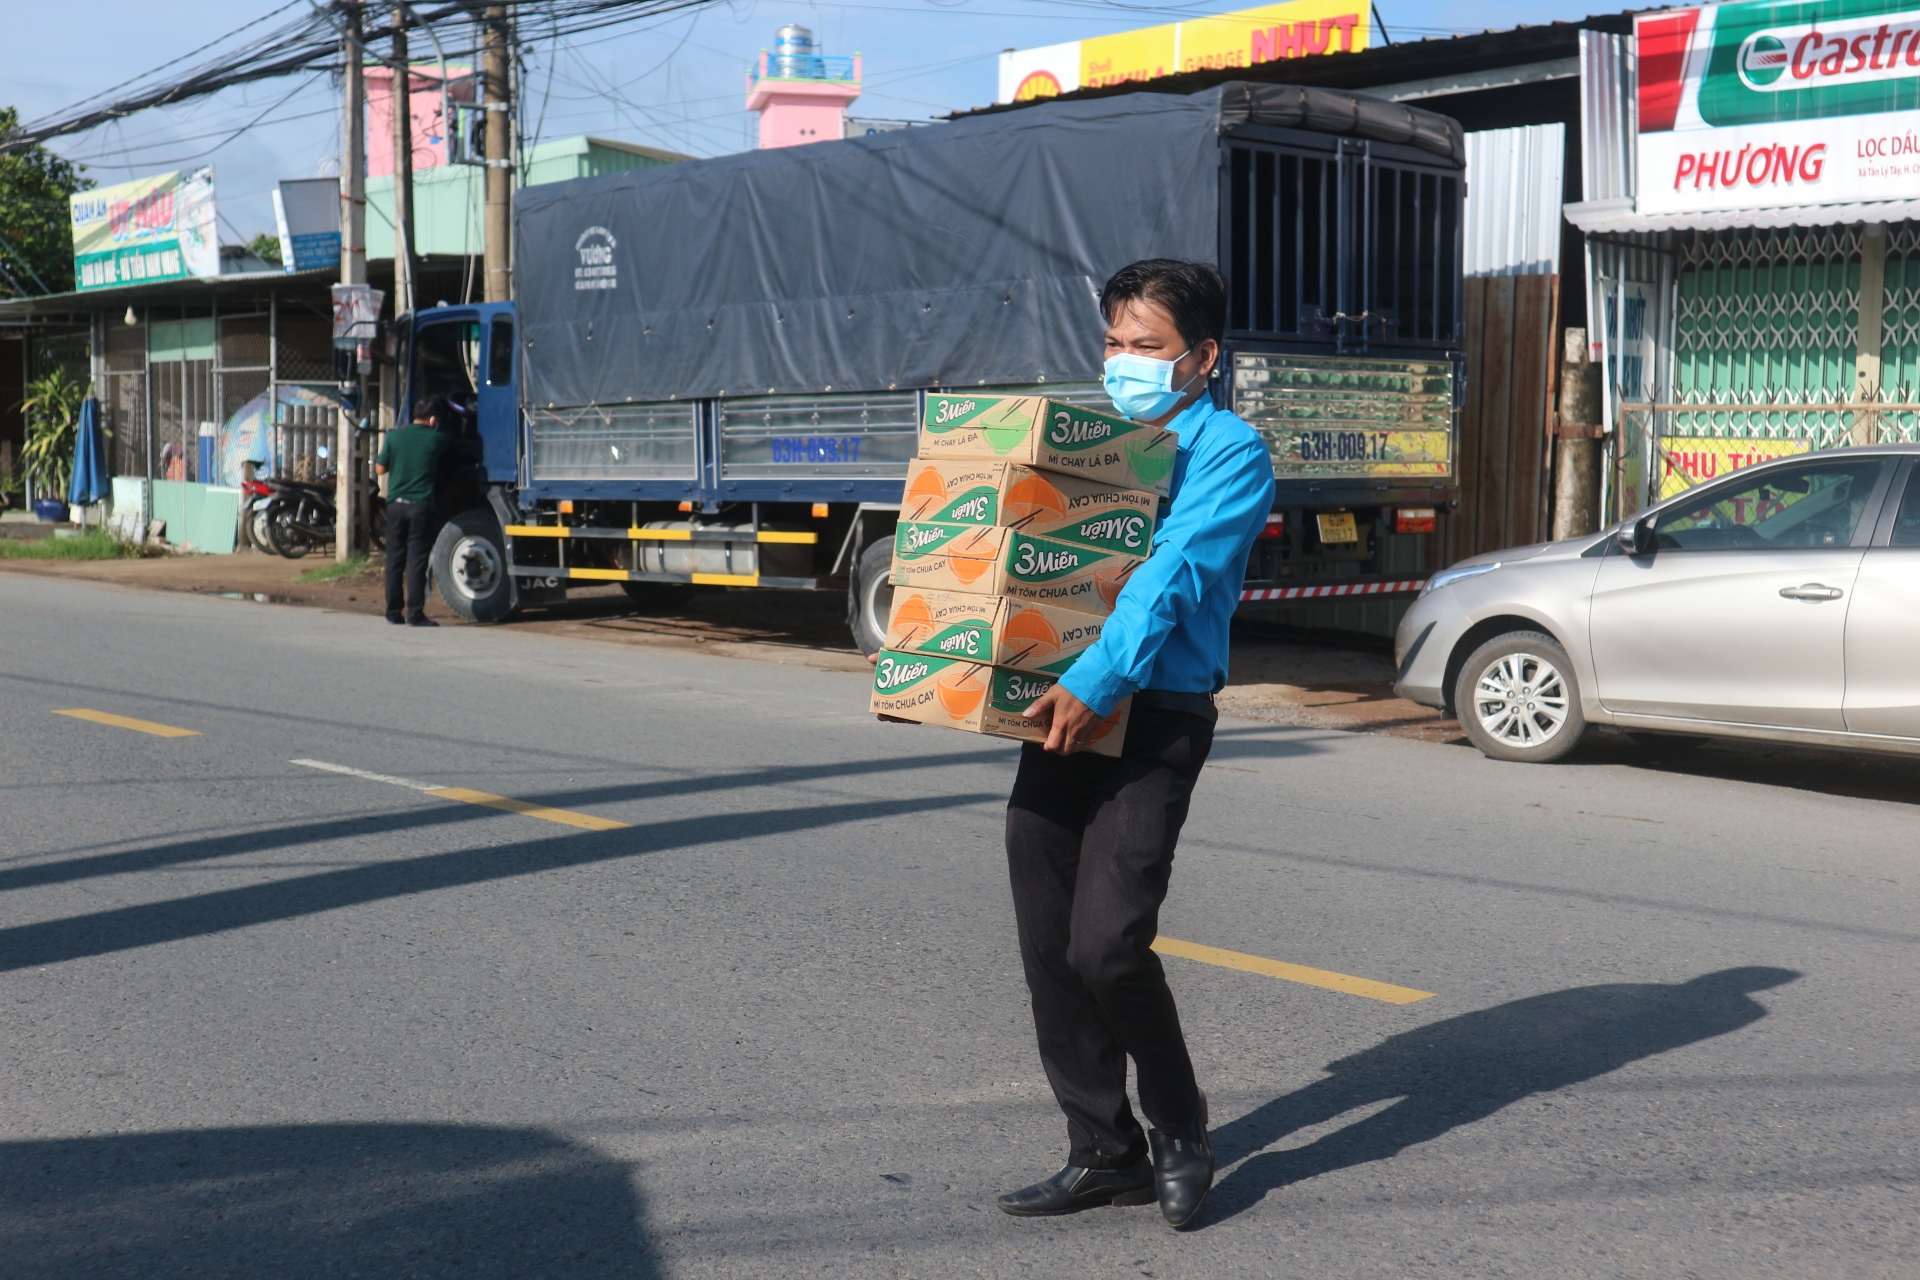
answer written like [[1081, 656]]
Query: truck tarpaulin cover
[[958, 254]]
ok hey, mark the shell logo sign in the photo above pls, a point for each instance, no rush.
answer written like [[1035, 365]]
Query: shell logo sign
[[1272, 33], [1752, 106], [1037, 84]]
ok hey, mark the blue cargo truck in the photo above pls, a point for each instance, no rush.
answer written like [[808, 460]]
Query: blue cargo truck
[[713, 372]]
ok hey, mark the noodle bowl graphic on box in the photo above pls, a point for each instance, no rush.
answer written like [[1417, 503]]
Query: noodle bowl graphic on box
[[997, 561], [995, 629], [1051, 435], [1007, 493], [953, 693]]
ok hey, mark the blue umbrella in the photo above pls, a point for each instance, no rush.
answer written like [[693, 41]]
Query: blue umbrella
[[90, 480]]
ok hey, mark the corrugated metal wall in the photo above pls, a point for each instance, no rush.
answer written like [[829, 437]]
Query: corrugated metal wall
[[1515, 188], [1609, 116], [1514, 179]]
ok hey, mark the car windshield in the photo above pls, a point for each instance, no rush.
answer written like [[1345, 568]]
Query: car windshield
[[1812, 505]]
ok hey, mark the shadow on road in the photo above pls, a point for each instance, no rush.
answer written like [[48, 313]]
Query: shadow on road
[[200, 915], [201, 848], [1464, 1069], [320, 1202], [1860, 775]]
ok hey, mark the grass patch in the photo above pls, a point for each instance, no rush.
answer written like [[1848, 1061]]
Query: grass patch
[[335, 571], [94, 544]]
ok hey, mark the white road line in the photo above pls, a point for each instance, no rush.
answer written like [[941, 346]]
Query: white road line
[[369, 775]]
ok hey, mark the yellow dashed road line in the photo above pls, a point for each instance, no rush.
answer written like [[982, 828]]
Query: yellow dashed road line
[[567, 817], [1289, 972], [128, 722]]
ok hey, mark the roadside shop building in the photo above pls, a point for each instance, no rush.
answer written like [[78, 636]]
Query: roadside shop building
[[1753, 231]]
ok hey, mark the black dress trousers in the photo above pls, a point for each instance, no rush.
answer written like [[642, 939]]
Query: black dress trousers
[[1090, 844], [412, 528]]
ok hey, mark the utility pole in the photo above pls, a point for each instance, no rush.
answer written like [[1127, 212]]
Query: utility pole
[[402, 165], [496, 100], [353, 259]]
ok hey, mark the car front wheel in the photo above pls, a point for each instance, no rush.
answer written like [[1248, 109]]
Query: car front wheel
[[1517, 699]]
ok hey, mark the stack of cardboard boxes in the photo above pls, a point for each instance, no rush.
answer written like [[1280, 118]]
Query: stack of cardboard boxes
[[1023, 519]]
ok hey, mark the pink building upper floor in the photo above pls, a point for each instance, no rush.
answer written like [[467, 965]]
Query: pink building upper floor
[[431, 140], [798, 111]]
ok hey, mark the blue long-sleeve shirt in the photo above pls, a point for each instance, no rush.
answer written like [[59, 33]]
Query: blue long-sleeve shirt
[[1169, 624]]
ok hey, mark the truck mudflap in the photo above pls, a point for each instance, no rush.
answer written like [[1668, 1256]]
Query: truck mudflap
[[560, 536]]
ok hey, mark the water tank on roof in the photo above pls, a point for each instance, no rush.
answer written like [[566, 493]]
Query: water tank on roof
[[793, 56]]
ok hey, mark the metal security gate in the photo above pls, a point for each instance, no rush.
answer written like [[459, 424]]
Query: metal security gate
[[1763, 318]]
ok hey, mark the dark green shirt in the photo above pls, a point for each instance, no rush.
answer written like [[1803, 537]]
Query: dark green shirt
[[412, 455]]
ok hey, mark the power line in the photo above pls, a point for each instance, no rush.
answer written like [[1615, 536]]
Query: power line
[[311, 44]]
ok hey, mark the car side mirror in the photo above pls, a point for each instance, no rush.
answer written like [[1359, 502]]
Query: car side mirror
[[1636, 539]]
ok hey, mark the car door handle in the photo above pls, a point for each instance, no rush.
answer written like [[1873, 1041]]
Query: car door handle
[[1812, 591]]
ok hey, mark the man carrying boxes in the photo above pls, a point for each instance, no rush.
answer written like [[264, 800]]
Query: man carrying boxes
[[1097, 808]]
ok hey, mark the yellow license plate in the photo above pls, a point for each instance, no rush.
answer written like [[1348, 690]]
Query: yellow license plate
[[1337, 527]]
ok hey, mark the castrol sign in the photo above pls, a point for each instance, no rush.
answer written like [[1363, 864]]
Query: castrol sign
[[1755, 106]]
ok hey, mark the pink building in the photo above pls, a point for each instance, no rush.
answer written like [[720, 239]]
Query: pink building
[[431, 140], [801, 96]]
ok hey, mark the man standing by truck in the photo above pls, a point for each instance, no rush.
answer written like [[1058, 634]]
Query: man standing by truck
[[1090, 839], [411, 458]]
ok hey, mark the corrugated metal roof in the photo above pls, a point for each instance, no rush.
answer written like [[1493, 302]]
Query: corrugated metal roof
[[1617, 216], [1514, 181]]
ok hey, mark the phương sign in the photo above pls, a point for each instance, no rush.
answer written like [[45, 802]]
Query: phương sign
[[1753, 106], [159, 228], [1272, 33]]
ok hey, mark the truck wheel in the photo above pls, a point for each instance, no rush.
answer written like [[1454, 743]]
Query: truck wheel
[[470, 564], [870, 597], [1517, 699], [658, 595]]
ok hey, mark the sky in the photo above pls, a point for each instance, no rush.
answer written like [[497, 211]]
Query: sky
[[677, 82]]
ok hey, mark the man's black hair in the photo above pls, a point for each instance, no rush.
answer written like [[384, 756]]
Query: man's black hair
[[433, 409], [1192, 292]]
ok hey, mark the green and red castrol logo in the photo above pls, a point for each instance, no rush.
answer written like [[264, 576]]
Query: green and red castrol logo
[[1746, 64]]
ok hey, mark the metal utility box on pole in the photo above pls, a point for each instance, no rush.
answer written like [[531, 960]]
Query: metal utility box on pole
[[402, 165], [353, 258], [496, 101]]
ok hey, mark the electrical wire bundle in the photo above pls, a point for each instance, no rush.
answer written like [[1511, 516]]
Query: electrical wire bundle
[[310, 42]]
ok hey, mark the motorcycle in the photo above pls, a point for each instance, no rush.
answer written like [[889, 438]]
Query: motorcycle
[[299, 516], [253, 528]]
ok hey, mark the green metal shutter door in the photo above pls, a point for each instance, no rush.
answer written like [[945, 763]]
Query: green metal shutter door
[[1770, 316]]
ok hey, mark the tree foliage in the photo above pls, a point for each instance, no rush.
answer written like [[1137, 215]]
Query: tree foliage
[[265, 247], [36, 233]]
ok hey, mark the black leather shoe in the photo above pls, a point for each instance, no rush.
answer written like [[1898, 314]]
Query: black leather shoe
[[421, 622], [1182, 1169], [1073, 1189], [397, 620]]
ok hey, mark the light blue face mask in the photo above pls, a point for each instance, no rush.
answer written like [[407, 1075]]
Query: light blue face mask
[[1141, 387]]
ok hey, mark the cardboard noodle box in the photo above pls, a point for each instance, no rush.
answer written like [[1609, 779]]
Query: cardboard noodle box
[[1051, 435], [956, 694], [997, 561], [999, 630], [971, 491]]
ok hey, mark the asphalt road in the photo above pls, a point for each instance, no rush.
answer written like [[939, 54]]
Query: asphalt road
[[266, 1019]]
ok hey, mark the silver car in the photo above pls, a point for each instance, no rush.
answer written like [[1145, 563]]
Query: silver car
[[1780, 602]]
